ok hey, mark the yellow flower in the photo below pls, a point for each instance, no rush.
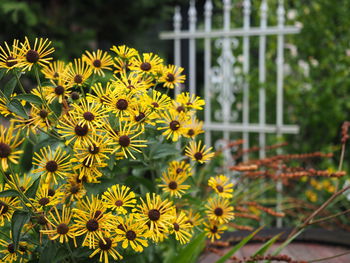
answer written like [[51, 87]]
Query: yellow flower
[[172, 77], [180, 168], [60, 91], [106, 246], [77, 73], [213, 230], [54, 70], [61, 226], [221, 185], [103, 95], [120, 104], [148, 64], [46, 197], [7, 206], [198, 153], [181, 228], [9, 55], [118, 197], [8, 144], [173, 184], [98, 61], [190, 101], [194, 219], [124, 52], [158, 101], [19, 183], [220, 210], [51, 164], [194, 127], [175, 125], [9, 252], [73, 190], [37, 54], [132, 233]]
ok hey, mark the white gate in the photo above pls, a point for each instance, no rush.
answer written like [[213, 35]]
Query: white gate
[[220, 81]]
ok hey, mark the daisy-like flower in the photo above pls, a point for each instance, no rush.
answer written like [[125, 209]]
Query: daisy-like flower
[[125, 140], [213, 230], [157, 101], [194, 219], [132, 233], [19, 183], [221, 185], [198, 153], [60, 91], [90, 114], [181, 228], [54, 70], [156, 213], [124, 52], [149, 63], [220, 210], [103, 95], [106, 246], [98, 61], [172, 77], [7, 206], [9, 251], [194, 128], [180, 168], [78, 134], [61, 226], [121, 66], [9, 55], [131, 83], [9, 141], [52, 165], [173, 184], [175, 125], [73, 190], [118, 197], [190, 101], [37, 54], [120, 103], [77, 73], [91, 220], [142, 115], [89, 172], [94, 153], [46, 197]]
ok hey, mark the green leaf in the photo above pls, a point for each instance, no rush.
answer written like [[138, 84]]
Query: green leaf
[[9, 87], [238, 246], [30, 193], [56, 107], [10, 192], [27, 156], [265, 247], [19, 218], [29, 98], [286, 243], [16, 107], [191, 252], [48, 252], [2, 72], [131, 180]]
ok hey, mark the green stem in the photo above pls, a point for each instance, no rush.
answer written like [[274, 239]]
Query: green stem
[[19, 83]]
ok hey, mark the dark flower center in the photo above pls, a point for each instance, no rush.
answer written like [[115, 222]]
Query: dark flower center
[[56, 75], [122, 104], [118, 203], [154, 214], [145, 66], [176, 227], [107, 244], [51, 166], [190, 132], [121, 227], [81, 130], [130, 235], [172, 185], [214, 229], [174, 125], [140, 117], [219, 188], [155, 104], [59, 90], [5, 150], [124, 141], [198, 156], [62, 229], [11, 248], [130, 87], [22, 248], [44, 201], [218, 211], [189, 222], [97, 63], [42, 220], [43, 114], [92, 225], [74, 95], [32, 56], [180, 109], [179, 170], [170, 77], [78, 79], [93, 149], [74, 189], [10, 61], [3, 208], [22, 188], [51, 192], [88, 116], [97, 214]]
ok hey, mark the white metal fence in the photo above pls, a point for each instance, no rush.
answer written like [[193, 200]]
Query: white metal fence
[[220, 81]]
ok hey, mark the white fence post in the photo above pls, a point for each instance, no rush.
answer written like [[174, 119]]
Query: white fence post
[[192, 18], [177, 42]]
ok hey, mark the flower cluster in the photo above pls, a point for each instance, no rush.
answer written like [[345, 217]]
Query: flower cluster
[[83, 118]]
